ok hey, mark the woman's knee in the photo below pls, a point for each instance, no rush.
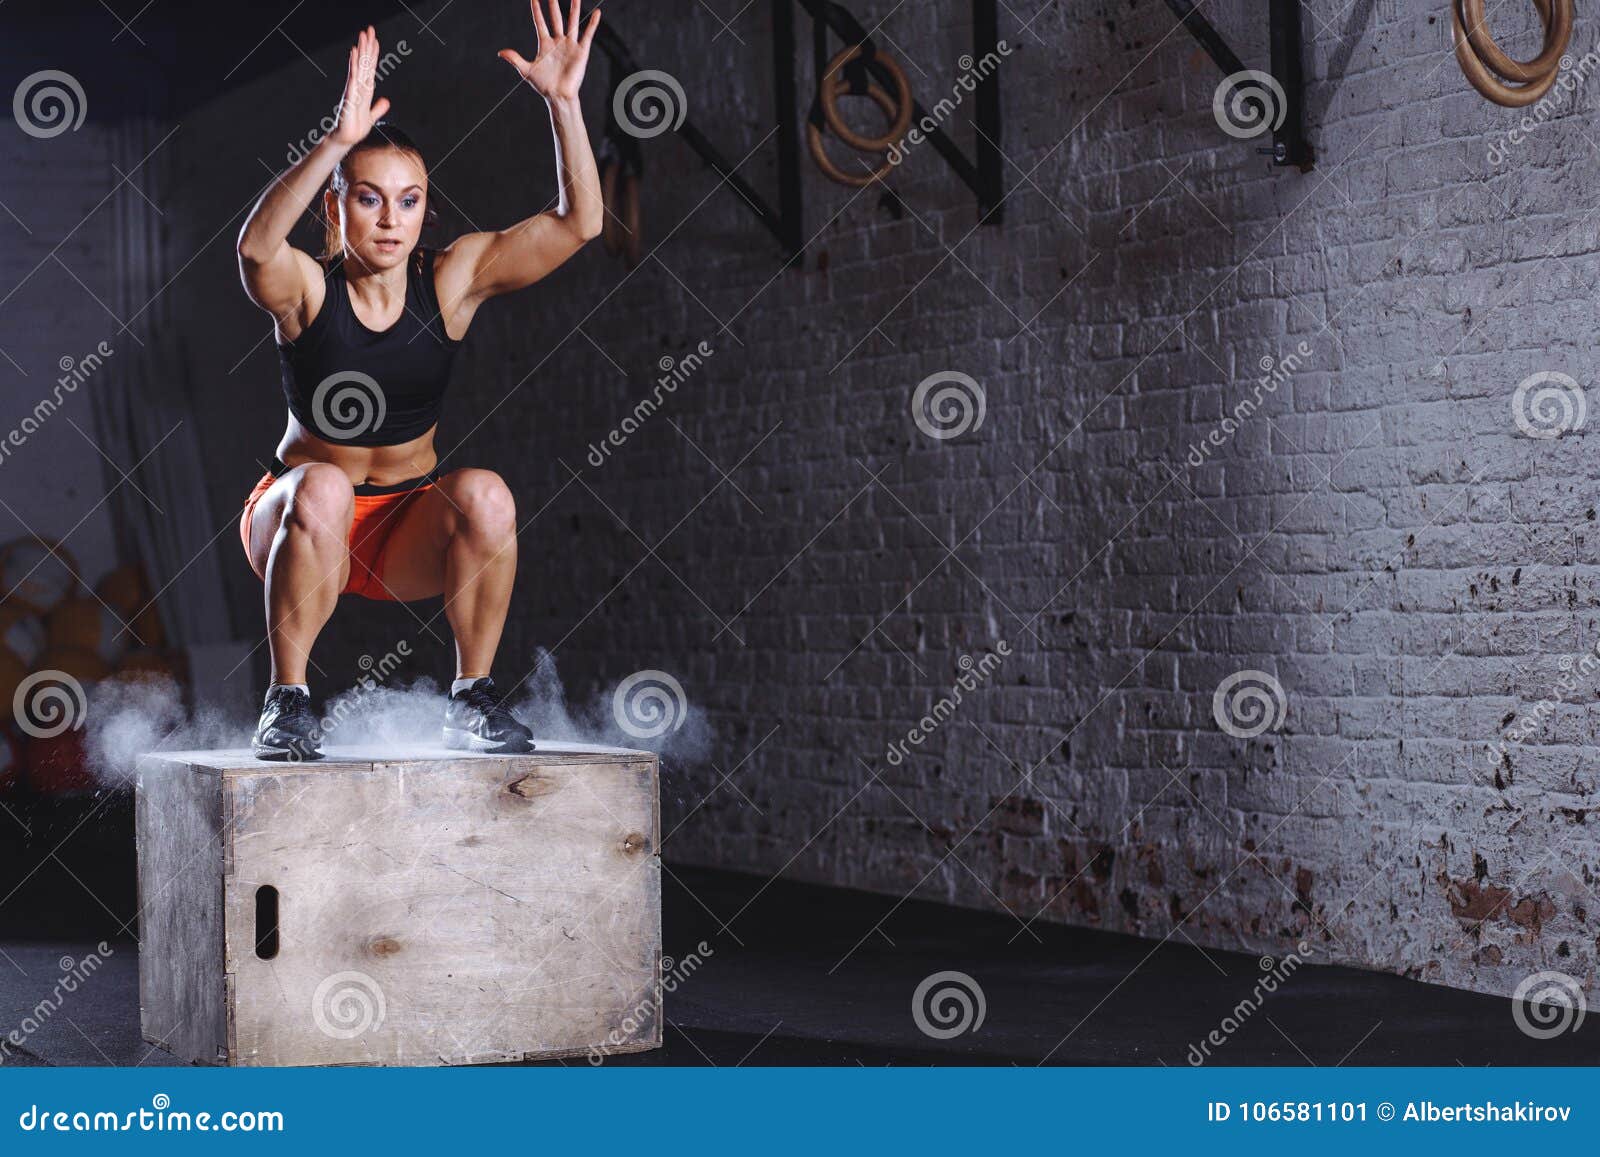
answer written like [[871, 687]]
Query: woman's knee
[[482, 501], [321, 502]]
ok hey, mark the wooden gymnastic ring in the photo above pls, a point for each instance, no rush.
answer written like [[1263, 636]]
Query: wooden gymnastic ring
[[610, 228], [1480, 58], [1482, 78], [1556, 16], [833, 172], [632, 227], [899, 113]]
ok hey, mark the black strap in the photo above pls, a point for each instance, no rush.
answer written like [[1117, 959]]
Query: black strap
[[819, 65], [368, 489], [856, 74]]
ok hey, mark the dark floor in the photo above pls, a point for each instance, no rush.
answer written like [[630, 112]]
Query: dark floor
[[800, 974]]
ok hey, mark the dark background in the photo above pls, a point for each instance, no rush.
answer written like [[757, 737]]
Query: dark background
[[782, 537]]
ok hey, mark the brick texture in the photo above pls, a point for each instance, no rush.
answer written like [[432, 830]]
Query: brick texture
[[56, 264], [1379, 536]]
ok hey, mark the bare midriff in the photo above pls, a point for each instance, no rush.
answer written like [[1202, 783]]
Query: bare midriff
[[377, 465]]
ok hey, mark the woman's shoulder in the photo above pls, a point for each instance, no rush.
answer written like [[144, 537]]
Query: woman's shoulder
[[331, 268]]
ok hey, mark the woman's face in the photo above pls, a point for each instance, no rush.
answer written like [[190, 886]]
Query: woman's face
[[381, 210]]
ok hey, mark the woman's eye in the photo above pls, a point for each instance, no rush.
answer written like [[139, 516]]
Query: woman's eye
[[410, 202], [369, 201]]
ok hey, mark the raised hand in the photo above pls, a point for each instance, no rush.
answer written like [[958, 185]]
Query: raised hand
[[556, 73], [357, 109]]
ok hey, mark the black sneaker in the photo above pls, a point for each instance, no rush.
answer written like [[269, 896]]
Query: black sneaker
[[287, 731], [474, 720]]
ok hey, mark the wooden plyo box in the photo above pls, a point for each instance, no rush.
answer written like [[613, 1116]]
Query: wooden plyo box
[[440, 909]]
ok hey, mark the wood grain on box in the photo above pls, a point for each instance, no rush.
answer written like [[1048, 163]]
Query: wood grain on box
[[436, 909]]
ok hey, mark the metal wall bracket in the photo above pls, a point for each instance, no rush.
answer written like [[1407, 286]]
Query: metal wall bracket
[[1289, 144], [983, 174], [612, 45]]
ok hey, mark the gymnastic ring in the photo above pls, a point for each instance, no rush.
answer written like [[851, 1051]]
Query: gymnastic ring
[[900, 118], [1487, 68], [1482, 78], [610, 229], [1481, 59], [833, 172], [1557, 18], [632, 228]]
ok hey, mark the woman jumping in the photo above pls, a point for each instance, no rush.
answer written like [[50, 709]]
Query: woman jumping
[[354, 502]]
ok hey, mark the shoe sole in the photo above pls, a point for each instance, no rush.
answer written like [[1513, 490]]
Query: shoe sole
[[284, 754], [459, 740]]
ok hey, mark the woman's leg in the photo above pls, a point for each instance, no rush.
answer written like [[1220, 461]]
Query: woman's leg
[[459, 539], [298, 545]]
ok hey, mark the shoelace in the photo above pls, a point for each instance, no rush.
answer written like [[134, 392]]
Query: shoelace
[[292, 708], [482, 700]]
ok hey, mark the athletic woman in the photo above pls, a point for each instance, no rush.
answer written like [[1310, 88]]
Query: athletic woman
[[354, 502]]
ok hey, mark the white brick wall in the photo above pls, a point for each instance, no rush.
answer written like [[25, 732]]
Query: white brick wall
[[1380, 537]]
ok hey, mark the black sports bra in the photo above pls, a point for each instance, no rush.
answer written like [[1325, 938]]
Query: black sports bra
[[360, 387]]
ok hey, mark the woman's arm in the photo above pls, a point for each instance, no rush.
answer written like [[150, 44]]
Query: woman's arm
[[480, 265], [276, 275]]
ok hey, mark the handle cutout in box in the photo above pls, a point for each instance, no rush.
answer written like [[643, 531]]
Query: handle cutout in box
[[266, 922]]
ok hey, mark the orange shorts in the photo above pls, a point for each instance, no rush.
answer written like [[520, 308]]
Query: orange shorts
[[378, 511]]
